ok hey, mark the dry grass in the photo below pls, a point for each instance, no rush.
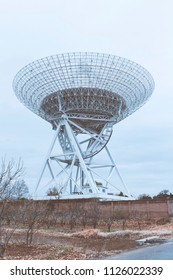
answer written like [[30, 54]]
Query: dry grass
[[81, 244]]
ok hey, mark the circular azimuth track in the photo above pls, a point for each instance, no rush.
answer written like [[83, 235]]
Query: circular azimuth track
[[94, 91]]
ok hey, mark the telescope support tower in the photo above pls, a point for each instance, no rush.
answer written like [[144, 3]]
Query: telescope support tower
[[72, 173]]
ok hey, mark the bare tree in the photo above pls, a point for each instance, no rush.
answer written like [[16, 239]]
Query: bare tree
[[10, 222], [138, 217], [9, 173], [84, 217], [144, 197], [53, 192], [122, 216], [19, 190], [94, 213], [73, 214], [62, 217], [51, 214], [56, 190], [109, 221], [34, 215]]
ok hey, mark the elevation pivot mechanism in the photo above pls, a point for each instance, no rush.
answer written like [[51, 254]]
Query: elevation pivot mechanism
[[82, 95]]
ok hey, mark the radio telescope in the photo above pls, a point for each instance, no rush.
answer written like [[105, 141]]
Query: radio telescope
[[82, 95]]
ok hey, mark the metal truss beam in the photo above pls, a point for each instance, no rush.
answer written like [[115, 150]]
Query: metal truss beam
[[77, 171]]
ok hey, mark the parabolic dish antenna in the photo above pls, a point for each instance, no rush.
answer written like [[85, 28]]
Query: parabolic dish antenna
[[82, 95]]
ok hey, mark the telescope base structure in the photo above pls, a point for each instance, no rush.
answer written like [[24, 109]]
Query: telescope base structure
[[73, 174]]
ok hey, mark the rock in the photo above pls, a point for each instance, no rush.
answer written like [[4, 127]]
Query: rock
[[151, 239]]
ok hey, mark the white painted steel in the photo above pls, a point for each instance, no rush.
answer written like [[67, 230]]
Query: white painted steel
[[82, 95]]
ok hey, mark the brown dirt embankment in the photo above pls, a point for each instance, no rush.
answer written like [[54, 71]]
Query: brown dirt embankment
[[85, 244]]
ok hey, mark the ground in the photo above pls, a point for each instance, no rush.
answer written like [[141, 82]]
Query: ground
[[80, 244]]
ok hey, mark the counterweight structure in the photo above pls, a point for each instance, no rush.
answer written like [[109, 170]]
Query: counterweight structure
[[82, 95]]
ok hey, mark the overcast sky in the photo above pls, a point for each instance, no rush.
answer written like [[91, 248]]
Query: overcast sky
[[140, 30]]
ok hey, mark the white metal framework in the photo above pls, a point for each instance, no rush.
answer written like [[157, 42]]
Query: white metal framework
[[82, 95]]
